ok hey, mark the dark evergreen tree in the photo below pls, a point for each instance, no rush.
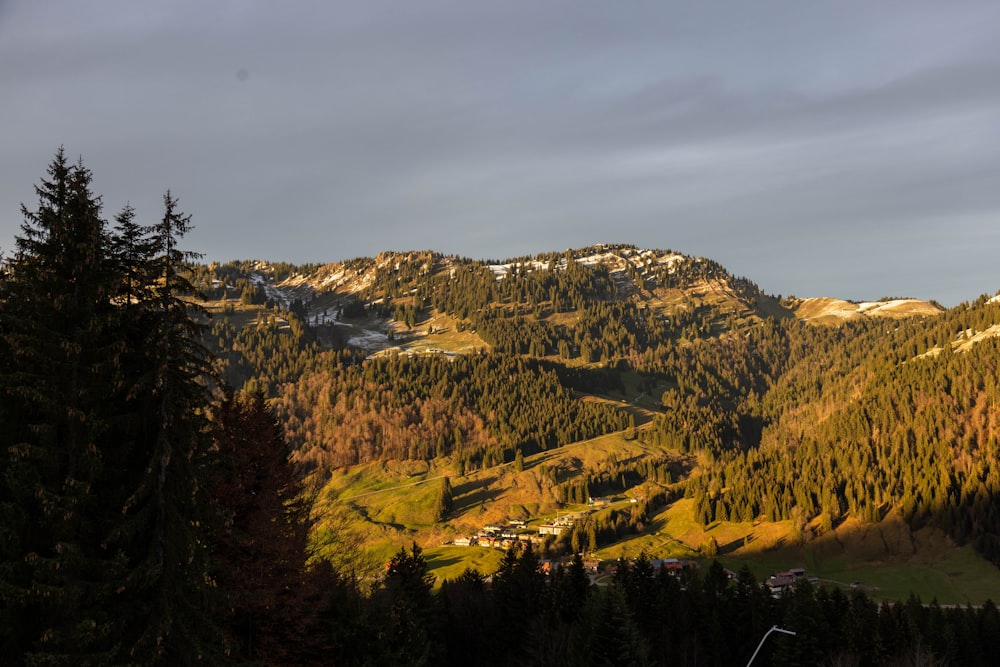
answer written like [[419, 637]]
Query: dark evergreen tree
[[170, 505], [445, 502], [406, 611], [606, 635], [519, 595], [468, 623], [131, 249], [572, 589], [57, 571], [260, 558]]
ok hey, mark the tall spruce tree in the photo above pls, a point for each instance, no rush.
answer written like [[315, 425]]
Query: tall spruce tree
[[103, 449], [55, 323], [169, 510]]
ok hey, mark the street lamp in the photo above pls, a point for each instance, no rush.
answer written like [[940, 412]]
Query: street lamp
[[774, 628]]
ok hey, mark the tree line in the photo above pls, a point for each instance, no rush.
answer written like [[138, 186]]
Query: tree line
[[647, 616]]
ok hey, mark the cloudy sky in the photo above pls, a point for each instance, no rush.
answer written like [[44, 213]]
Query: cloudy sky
[[846, 149]]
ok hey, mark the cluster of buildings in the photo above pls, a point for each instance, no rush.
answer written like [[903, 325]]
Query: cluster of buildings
[[516, 533], [513, 534], [559, 526]]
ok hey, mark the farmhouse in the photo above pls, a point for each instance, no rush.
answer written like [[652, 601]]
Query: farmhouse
[[781, 581], [671, 566], [552, 528]]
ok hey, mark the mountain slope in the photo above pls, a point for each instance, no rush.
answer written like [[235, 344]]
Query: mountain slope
[[468, 365]]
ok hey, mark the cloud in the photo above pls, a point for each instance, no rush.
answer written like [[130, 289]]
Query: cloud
[[758, 135]]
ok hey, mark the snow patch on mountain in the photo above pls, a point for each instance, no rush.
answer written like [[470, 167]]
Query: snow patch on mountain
[[608, 258], [501, 270], [367, 339], [617, 260]]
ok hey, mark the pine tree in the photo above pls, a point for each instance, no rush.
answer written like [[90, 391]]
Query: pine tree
[[519, 593], [606, 634], [260, 560], [131, 249], [57, 360], [408, 610], [169, 506]]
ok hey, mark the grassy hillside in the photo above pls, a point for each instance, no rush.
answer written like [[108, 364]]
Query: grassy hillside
[[392, 503]]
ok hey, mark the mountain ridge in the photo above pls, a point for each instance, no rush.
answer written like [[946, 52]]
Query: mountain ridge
[[640, 275]]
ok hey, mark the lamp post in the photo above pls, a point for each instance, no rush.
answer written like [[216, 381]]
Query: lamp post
[[774, 628]]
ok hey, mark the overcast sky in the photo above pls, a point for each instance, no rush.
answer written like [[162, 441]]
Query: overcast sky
[[847, 149]]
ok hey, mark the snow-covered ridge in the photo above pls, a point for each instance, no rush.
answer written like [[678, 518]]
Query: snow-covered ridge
[[325, 290], [616, 260], [501, 270]]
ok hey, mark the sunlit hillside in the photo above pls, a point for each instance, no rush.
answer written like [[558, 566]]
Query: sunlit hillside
[[712, 418]]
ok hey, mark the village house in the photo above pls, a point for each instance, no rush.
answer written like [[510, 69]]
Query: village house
[[671, 566], [552, 528], [779, 582]]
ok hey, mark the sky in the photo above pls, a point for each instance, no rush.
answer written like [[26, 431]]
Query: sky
[[822, 148]]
